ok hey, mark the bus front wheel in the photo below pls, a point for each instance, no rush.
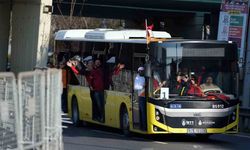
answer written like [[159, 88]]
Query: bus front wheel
[[125, 121], [75, 113]]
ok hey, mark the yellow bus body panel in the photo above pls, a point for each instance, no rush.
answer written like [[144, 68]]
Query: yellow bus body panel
[[113, 101], [152, 121]]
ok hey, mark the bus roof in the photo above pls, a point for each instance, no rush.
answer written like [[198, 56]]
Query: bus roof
[[197, 41], [108, 35]]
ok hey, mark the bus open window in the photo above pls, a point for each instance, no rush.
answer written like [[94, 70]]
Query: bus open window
[[118, 74]]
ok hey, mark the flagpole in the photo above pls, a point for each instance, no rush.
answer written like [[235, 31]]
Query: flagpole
[[147, 63]]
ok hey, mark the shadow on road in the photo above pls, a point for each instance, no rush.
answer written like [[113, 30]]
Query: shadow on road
[[98, 131]]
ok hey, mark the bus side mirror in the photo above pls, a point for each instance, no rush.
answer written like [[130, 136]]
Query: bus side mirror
[[148, 72]]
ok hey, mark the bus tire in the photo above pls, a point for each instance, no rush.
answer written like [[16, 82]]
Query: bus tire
[[75, 113], [124, 120]]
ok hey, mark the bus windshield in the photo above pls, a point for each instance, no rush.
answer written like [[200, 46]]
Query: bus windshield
[[196, 69]]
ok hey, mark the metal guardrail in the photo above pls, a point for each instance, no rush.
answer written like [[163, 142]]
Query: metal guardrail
[[244, 123], [8, 112], [31, 98], [53, 120], [30, 111]]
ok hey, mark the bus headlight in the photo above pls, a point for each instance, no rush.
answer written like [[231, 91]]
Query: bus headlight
[[158, 116], [233, 116], [155, 128], [157, 112]]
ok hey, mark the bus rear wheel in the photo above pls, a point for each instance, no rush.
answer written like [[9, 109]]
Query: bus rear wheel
[[125, 122], [75, 113]]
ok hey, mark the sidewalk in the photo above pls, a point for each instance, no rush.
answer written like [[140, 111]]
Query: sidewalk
[[244, 133]]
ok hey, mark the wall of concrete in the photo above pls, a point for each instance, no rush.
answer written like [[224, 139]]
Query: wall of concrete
[[30, 38], [4, 32]]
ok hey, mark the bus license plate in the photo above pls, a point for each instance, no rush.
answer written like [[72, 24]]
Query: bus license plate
[[194, 130]]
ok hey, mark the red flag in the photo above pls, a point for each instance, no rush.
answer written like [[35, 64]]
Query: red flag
[[150, 27]]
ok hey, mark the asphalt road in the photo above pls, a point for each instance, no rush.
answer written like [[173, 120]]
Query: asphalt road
[[101, 138]]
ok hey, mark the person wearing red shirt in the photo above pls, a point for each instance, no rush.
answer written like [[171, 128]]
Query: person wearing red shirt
[[97, 85], [87, 70], [194, 89]]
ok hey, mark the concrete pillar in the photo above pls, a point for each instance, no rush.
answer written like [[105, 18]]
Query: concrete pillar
[[4, 32], [30, 38], [246, 84]]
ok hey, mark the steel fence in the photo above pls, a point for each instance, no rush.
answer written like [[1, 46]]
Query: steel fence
[[31, 97], [30, 111], [53, 122], [8, 112], [39, 99]]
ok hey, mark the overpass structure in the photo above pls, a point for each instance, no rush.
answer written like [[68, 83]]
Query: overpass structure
[[25, 24], [134, 8]]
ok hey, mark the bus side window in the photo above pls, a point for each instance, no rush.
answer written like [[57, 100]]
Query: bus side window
[[122, 81]]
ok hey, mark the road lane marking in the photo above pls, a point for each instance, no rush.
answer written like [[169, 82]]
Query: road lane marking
[[197, 146], [65, 127], [158, 142], [69, 122]]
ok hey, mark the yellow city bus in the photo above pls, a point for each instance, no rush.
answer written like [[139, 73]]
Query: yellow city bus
[[167, 111]]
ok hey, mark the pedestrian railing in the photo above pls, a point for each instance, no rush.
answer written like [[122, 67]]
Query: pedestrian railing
[[31, 90], [31, 110], [8, 112], [53, 122]]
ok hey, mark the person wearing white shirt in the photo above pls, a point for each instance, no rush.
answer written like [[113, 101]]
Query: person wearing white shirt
[[210, 86], [139, 87], [139, 83]]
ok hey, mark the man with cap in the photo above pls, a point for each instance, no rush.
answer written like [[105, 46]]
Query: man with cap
[[139, 87], [140, 82]]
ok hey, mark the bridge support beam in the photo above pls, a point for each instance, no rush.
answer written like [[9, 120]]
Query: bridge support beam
[[246, 85], [4, 32], [30, 34]]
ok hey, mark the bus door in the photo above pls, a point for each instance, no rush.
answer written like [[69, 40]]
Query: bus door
[[138, 61]]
